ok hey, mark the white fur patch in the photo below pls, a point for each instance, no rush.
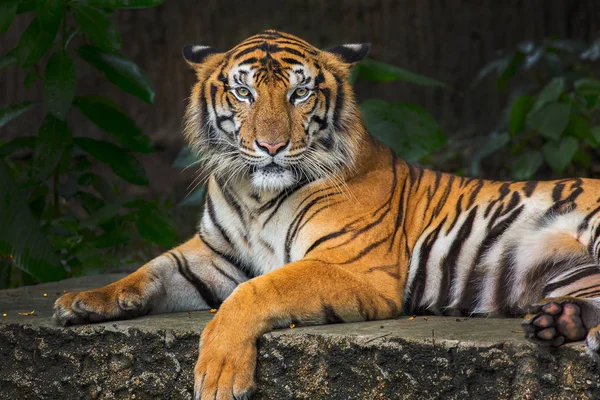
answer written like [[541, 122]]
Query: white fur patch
[[266, 180]]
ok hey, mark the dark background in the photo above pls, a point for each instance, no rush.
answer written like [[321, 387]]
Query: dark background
[[449, 40]]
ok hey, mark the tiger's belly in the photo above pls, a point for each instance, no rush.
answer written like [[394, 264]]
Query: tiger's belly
[[486, 265]]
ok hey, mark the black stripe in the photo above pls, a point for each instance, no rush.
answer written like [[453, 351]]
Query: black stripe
[[325, 238], [586, 221], [294, 226], [203, 289], [364, 251], [472, 284], [504, 285], [573, 293], [457, 213], [225, 274], [529, 188], [230, 200], [442, 201], [245, 269], [213, 217], [584, 272], [339, 102], [593, 293], [474, 193], [449, 263], [329, 315], [504, 191], [418, 284]]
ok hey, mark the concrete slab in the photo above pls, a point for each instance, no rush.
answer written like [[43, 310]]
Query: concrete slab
[[153, 357]]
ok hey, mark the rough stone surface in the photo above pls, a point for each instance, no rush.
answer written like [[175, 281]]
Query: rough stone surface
[[153, 357]]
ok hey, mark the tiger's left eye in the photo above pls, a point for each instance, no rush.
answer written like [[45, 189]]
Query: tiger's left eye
[[301, 92]]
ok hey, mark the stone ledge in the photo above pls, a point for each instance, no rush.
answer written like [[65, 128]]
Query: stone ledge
[[153, 357]]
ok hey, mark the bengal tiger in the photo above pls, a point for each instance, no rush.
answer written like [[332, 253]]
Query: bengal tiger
[[309, 219]]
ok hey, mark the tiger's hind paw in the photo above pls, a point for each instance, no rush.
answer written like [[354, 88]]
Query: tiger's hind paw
[[554, 321]]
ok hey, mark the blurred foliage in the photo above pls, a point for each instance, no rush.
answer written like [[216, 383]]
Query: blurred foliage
[[59, 218], [408, 129], [551, 125]]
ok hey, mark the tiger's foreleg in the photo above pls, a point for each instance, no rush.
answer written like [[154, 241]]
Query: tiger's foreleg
[[307, 291], [189, 277]]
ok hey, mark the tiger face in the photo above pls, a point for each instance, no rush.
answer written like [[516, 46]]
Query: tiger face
[[274, 110]]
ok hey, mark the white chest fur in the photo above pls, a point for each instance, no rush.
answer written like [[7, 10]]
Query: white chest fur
[[243, 224]]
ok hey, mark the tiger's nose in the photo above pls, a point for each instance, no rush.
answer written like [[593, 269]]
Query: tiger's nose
[[271, 148]]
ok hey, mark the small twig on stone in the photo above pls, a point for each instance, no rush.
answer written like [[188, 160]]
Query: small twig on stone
[[433, 338], [378, 337]]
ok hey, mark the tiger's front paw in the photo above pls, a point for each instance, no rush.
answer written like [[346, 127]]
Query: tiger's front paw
[[97, 305], [225, 368]]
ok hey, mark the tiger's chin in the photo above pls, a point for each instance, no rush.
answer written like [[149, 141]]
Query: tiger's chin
[[272, 178]]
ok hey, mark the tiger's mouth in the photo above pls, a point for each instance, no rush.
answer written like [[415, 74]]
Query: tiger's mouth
[[273, 168], [272, 177]]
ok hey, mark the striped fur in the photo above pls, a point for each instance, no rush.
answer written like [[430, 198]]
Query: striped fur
[[335, 228]]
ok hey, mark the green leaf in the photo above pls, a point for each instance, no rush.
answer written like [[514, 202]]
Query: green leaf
[[578, 126], [104, 214], [518, 114], [114, 237], [97, 26], [34, 43], [560, 154], [59, 84], [20, 236], [17, 144], [154, 224], [587, 86], [125, 3], [8, 59], [185, 158], [593, 139], [8, 10], [510, 69], [583, 158], [49, 13], [107, 116], [381, 72], [550, 93], [120, 161], [589, 89], [551, 120], [408, 129], [53, 137], [26, 6], [30, 79], [89, 202], [524, 166], [93, 261], [120, 71], [11, 112], [483, 148]]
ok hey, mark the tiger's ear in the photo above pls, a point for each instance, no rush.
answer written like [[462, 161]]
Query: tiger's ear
[[351, 53], [196, 54]]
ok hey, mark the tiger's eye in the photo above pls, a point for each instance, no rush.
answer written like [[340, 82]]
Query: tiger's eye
[[242, 92], [301, 92]]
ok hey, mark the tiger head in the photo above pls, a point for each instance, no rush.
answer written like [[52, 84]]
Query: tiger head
[[274, 109]]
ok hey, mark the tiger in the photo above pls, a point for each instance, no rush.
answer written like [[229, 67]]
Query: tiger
[[309, 219]]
